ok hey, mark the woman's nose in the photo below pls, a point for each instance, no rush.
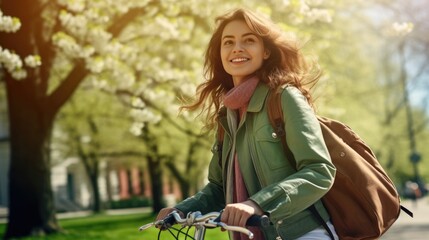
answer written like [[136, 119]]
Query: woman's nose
[[237, 48]]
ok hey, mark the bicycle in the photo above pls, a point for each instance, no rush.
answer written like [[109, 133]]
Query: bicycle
[[201, 223]]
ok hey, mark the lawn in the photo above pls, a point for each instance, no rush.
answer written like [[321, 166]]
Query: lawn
[[123, 227]]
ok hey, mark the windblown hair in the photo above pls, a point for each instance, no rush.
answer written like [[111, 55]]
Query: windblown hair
[[285, 65]]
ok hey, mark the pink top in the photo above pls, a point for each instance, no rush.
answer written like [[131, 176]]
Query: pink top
[[241, 194]]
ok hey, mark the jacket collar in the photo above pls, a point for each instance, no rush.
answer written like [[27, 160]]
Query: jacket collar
[[258, 98], [255, 105]]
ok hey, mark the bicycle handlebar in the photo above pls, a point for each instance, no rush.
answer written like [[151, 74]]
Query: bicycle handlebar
[[253, 221], [209, 220]]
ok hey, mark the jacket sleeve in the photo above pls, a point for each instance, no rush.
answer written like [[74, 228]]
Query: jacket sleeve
[[315, 171], [211, 197]]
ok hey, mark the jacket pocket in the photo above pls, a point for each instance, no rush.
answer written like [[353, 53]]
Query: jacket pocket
[[269, 148]]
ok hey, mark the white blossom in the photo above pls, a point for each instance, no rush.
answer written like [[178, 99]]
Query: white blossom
[[67, 44], [399, 29], [144, 115], [170, 29], [136, 102], [136, 128], [315, 2], [125, 79], [73, 5], [95, 65], [19, 74], [189, 89], [286, 2], [95, 16], [99, 38], [110, 63], [9, 24], [315, 14], [75, 24], [85, 139], [318, 14], [87, 51], [33, 61], [11, 61], [98, 83]]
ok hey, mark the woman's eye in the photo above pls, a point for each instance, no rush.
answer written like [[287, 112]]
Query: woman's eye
[[250, 40], [227, 42]]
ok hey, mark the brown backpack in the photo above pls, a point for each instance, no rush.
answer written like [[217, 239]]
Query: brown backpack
[[363, 202]]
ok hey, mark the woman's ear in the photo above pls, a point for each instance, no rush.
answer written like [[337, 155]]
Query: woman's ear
[[267, 54]]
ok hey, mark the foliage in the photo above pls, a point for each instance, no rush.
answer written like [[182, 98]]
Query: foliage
[[111, 227], [133, 202]]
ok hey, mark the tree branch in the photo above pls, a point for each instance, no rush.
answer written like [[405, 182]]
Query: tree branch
[[158, 109], [122, 21], [122, 154], [67, 87], [173, 169]]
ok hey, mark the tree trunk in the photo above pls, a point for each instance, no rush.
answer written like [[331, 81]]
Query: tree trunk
[[31, 115], [91, 164], [142, 182], [185, 187], [31, 204], [96, 204], [155, 172], [155, 169], [184, 182]]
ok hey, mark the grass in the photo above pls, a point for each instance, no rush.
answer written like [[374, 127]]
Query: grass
[[105, 227]]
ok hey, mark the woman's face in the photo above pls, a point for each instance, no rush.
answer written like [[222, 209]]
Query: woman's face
[[242, 51]]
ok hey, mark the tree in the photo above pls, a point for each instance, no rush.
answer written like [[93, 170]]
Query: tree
[[405, 65], [92, 126], [31, 202], [187, 176], [64, 43]]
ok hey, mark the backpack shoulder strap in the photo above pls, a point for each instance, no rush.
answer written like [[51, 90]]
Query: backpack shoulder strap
[[275, 115]]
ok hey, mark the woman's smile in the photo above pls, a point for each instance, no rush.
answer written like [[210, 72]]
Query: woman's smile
[[239, 60]]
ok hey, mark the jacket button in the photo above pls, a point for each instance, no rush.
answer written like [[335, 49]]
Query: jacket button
[[274, 135], [342, 154]]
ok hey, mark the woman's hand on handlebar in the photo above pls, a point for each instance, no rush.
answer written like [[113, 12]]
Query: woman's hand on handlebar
[[165, 211], [237, 214]]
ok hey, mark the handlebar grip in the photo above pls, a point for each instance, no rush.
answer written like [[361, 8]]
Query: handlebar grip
[[253, 221], [167, 222], [258, 221]]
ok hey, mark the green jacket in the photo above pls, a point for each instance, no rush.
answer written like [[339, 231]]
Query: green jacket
[[281, 191]]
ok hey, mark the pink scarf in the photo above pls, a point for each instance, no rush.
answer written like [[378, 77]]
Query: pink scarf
[[238, 98]]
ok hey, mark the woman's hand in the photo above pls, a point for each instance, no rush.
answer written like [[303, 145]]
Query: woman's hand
[[165, 211], [236, 214]]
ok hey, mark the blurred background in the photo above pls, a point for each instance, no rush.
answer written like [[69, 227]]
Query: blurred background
[[90, 94]]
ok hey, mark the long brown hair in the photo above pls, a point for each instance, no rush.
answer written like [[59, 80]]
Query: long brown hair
[[285, 65]]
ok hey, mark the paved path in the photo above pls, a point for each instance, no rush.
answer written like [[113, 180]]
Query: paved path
[[407, 228]]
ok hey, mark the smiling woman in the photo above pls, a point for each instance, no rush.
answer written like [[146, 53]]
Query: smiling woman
[[242, 51], [249, 57]]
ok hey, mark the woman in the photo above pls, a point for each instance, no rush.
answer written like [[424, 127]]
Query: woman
[[247, 57]]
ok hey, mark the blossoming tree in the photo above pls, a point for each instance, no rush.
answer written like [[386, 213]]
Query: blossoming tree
[[49, 47]]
